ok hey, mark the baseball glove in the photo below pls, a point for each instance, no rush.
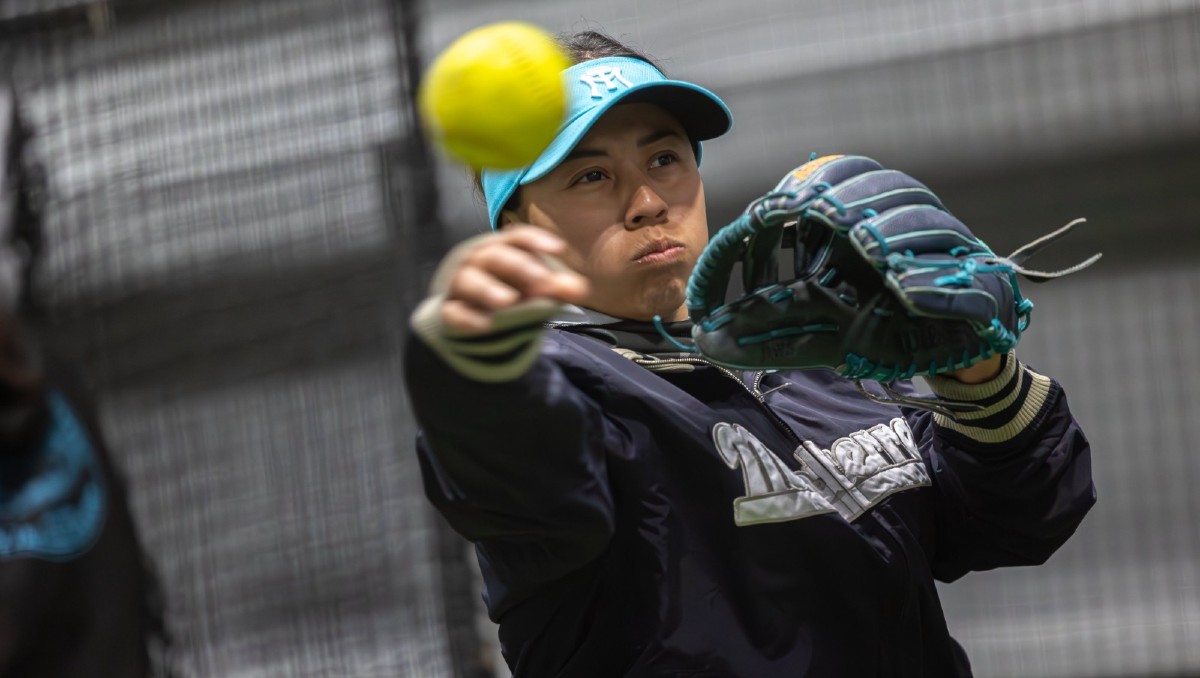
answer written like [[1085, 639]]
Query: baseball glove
[[886, 284]]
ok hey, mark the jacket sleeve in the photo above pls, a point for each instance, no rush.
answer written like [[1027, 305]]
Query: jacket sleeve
[[1013, 479], [517, 466]]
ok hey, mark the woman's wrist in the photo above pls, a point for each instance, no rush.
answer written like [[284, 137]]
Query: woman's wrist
[[984, 370]]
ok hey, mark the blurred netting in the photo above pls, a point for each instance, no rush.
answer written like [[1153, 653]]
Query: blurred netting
[[1122, 599], [235, 207]]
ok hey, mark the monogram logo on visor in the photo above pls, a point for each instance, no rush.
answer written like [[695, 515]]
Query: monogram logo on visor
[[608, 77]]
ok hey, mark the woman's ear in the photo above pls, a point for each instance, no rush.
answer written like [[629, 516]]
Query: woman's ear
[[508, 217]]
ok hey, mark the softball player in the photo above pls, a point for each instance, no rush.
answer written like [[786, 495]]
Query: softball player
[[637, 511]]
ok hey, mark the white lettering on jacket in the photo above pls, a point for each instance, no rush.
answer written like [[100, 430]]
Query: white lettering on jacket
[[854, 474]]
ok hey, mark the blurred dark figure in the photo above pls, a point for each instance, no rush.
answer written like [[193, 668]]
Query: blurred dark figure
[[76, 595]]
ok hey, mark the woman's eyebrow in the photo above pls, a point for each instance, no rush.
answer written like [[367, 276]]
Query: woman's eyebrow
[[584, 153], [656, 135]]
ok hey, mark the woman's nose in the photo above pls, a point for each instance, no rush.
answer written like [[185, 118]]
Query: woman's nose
[[646, 208]]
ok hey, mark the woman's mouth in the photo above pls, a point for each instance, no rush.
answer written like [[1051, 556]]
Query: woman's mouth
[[660, 252]]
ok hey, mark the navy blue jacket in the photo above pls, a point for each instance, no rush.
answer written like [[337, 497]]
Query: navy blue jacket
[[691, 521]]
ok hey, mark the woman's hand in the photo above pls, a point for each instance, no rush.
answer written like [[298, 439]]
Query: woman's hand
[[982, 371], [504, 269]]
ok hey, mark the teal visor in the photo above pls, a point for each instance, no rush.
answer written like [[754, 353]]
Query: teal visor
[[595, 86]]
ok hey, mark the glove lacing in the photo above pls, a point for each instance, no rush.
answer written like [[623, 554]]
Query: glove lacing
[[1002, 340]]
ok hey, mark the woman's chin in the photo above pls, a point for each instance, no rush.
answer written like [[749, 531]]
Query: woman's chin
[[666, 302]]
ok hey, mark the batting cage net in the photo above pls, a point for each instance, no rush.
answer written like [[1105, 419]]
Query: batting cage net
[[240, 214], [236, 209]]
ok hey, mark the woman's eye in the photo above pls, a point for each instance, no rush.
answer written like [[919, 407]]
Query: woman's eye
[[589, 177], [663, 159]]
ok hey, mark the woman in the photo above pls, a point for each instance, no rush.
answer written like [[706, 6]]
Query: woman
[[637, 512]]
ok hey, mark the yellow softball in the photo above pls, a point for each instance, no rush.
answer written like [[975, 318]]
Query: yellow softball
[[495, 97]]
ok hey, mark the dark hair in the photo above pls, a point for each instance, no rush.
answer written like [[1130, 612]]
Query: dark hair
[[589, 45], [580, 47]]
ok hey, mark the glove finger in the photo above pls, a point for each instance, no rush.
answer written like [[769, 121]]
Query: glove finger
[[800, 186], [942, 286], [829, 169], [847, 203], [914, 230]]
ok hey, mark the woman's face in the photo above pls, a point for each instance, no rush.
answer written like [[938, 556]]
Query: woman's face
[[630, 205]]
